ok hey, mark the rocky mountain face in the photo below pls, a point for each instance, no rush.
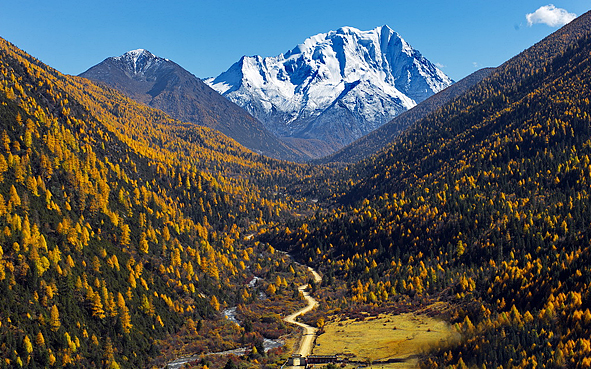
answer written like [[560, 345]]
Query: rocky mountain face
[[381, 137], [334, 87], [163, 84]]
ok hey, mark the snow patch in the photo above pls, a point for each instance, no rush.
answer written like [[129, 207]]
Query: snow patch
[[139, 60]]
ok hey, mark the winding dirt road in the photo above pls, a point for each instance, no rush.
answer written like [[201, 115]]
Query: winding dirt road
[[307, 341]]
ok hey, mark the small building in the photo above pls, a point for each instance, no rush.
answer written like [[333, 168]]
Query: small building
[[321, 359]]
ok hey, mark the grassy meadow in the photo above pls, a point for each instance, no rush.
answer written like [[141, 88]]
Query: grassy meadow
[[385, 337]]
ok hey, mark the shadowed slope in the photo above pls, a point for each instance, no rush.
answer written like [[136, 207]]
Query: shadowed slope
[[378, 139]]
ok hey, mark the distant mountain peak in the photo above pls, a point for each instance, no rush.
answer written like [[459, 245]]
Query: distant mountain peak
[[334, 86]]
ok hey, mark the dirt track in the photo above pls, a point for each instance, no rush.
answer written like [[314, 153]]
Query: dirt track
[[305, 347]]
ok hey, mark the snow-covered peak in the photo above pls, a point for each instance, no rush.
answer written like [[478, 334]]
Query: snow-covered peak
[[373, 75], [137, 53], [139, 60]]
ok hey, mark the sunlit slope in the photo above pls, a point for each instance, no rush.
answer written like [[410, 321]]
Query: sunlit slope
[[118, 224]]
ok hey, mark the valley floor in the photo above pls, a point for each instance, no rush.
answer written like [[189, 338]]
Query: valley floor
[[386, 341]]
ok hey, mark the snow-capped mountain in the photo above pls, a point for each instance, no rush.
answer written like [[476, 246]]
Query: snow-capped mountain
[[335, 86], [163, 84], [139, 61]]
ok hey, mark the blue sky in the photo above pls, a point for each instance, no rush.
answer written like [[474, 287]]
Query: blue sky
[[206, 37]]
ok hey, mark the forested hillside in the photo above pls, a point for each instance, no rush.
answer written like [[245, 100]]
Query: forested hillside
[[483, 205], [120, 225]]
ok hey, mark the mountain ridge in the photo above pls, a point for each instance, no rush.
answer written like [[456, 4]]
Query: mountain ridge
[[335, 86], [379, 138], [163, 84]]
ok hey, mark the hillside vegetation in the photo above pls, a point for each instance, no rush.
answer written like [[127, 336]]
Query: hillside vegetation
[[119, 225]]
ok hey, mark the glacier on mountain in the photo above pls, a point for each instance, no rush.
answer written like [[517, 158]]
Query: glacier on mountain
[[335, 86]]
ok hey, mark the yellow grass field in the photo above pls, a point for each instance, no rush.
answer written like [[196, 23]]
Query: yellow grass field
[[382, 338]]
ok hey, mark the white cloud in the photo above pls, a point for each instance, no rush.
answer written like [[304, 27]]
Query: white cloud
[[439, 65], [550, 15]]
